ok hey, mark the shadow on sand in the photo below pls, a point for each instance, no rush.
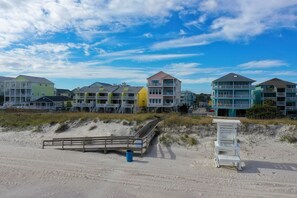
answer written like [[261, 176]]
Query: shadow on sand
[[251, 166], [158, 151]]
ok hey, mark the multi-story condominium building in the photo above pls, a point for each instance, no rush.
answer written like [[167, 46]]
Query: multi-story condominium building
[[164, 91], [23, 89], [232, 95], [282, 93], [132, 99], [64, 92], [2, 79], [108, 98], [188, 98]]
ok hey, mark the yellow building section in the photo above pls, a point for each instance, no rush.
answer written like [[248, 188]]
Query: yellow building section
[[142, 98]]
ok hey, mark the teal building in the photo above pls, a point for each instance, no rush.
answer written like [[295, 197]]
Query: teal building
[[232, 95]]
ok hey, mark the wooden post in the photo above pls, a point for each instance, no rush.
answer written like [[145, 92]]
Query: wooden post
[[42, 144], [84, 142], [128, 143], [105, 151], [62, 144], [141, 150]]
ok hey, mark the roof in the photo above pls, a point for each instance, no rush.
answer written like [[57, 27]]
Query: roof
[[232, 77], [163, 75], [277, 83], [129, 89], [99, 84], [59, 91], [36, 79], [53, 99], [3, 78], [102, 89]]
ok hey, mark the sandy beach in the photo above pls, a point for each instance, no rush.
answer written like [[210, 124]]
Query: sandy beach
[[26, 170]]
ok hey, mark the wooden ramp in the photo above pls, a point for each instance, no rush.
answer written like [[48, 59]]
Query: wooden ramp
[[138, 143]]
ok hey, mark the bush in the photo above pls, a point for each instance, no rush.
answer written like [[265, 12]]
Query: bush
[[92, 127], [263, 112], [289, 138], [62, 128]]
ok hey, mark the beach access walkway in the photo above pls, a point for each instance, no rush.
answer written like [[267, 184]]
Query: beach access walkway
[[138, 143]]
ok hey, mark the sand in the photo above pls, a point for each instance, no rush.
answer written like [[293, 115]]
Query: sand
[[269, 168]]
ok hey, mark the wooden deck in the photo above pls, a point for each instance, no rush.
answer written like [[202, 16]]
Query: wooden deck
[[138, 143]]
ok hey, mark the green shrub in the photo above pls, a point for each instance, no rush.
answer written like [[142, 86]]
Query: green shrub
[[92, 127], [62, 128], [289, 138]]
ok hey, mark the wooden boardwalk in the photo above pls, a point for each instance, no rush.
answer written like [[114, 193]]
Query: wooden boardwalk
[[138, 143]]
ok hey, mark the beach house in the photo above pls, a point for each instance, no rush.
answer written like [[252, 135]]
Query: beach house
[[2, 79], [108, 98], [20, 91], [164, 91], [188, 98], [232, 95], [282, 94]]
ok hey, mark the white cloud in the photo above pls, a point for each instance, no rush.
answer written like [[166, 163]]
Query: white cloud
[[198, 81], [148, 35], [263, 64], [238, 20], [22, 19], [182, 32], [186, 69]]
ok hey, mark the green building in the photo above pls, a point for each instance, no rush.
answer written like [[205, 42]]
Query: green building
[[20, 91], [281, 93]]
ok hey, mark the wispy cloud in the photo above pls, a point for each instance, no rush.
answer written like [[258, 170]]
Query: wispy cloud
[[198, 80], [186, 69], [234, 20], [86, 18], [261, 64]]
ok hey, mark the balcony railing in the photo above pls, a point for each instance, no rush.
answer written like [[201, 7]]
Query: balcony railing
[[154, 84], [291, 107], [291, 99], [223, 105], [168, 84], [291, 90], [225, 96], [233, 87], [281, 94], [268, 98], [280, 103], [245, 106], [168, 93], [129, 98], [102, 97]]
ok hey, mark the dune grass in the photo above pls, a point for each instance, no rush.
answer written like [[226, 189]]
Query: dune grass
[[26, 119]]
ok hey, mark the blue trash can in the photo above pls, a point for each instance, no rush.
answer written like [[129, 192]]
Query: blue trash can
[[129, 155]]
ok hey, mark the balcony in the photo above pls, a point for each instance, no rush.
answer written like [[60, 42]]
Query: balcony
[[168, 84], [280, 94], [271, 90], [168, 94], [129, 98], [224, 96], [233, 87], [291, 90], [242, 106], [223, 106], [242, 96], [291, 107], [269, 98], [291, 99], [280, 103], [154, 84], [102, 97]]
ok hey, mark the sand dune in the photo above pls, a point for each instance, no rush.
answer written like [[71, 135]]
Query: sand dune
[[270, 169]]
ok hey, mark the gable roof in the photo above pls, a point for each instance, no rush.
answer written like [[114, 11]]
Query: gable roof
[[3, 78], [52, 99], [163, 75], [61, 91], [277, 83], [232, 77], [102, 89], [36, 79], [99, 84], [128, 89]]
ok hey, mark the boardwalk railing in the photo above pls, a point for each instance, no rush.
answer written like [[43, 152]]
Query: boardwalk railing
[[138, 143]]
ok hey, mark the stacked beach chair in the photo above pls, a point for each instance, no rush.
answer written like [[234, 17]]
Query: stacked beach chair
[[227, 150]]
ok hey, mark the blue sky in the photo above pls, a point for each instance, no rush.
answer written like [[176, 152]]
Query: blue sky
[[77, 42]]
